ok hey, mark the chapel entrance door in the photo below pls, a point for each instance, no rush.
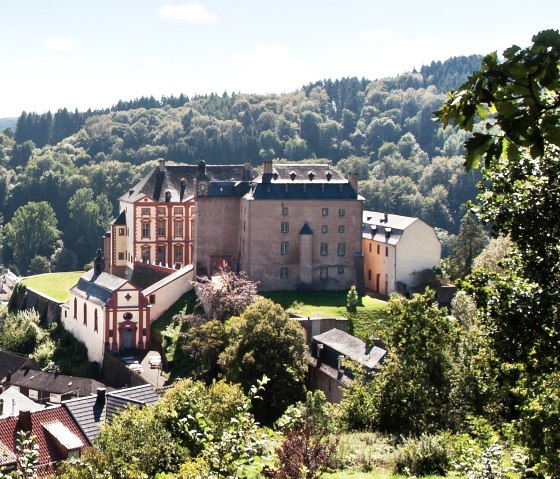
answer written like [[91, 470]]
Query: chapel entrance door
[[127, 339]]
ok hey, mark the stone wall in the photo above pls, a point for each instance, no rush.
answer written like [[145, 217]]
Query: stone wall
[[115, 374], [24, 298]]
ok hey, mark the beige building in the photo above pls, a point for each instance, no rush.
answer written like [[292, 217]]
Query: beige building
[[295, 226], [395, 248]]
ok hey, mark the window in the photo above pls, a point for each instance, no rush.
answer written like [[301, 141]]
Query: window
[[146, 230], [152, 299], [325, 229], [284, 272], [324, 249], [284, 247], [386, 251], [325, 212], [73, 454], [85, 314], [341, 212], [341, 270], [341, 228], [145, 211], [370, 247], [323, 272], [369, 275], [33, 394], [284, 211], [121, 256], [378, 249], [145, 254], [121, 231], [178, 210], [161, 228], [178, 229], [284, 227], [341, 249], [95, 321], [143, 331], [127, 316], [75, 308], [161, 210], [110, 333], [178, 253]]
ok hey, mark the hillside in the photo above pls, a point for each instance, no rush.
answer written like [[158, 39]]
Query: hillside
[[383, 129]]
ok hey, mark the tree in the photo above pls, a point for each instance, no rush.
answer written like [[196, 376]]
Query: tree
[[31, 232], [226, 295], [517, 144], [39, 265], [263, 341]]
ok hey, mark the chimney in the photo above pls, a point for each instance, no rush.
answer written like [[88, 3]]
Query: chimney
[[267, 171], [101, 395], [98, 263], [161, 165], [353, 180], [24, 420]]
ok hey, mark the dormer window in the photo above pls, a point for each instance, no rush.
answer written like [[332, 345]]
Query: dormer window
[[167, 196], [311, 175], [293, 175]]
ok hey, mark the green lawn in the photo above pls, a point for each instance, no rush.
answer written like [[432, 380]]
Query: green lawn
[[370, 318], [55, 285]]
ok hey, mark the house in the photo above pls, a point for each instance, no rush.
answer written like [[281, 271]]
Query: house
[[295, 226], [110, 313], [395, 248], [46, 387], [12, 401], [326, 356], [56, 435], [11, 363], [91, 412]]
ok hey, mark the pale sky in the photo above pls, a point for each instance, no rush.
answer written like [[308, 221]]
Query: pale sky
[[91, 53]]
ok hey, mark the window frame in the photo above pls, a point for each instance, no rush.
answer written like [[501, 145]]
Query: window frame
[[325, 212], [284, 248], [284, 227], [324, 249], [341, 249]]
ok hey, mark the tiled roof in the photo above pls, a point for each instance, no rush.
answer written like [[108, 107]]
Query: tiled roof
[[178, 180], [53, 382], [90, 412], [352, 347], [14, 401], [97, 288], [58, 421], [12, 362]]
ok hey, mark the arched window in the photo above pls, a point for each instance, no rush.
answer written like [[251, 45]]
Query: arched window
[[95, 321], [75, 308], [85, 313]]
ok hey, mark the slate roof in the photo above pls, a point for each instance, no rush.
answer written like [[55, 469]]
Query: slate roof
[[97, 288], [306, 229], [54, 382], [376, 228], [121, 219], [14, 401], [90, 412], [352, 347], [48, 426], [178, 180], [12, 362]]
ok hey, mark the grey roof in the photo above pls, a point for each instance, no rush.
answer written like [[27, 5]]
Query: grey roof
[[306, 229], [97, 288], [390, 231], [305, 173], [12, 362], [352, 347], [121, 219], [14, 401], [90, 412], [54, 382], [178, 180]]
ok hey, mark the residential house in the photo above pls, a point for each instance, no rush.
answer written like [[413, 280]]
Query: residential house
[[12, 401], [395, 249], [11, 363], [91, 412], [325, 359], [45, 387], [56, 435]]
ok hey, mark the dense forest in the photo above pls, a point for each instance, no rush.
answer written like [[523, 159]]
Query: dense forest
[[81, 162]]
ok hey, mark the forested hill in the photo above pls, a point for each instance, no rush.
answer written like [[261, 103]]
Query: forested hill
[[384, 129]]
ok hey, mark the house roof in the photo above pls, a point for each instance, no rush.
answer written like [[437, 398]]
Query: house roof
[[97, 288], [121, 219], [12, 362], [52, 427], [385, 228], [90, 412], [54, 382], [352, 347], [178, 181], [14, 401]]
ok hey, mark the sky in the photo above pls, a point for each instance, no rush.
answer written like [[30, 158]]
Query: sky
[[92, 53]]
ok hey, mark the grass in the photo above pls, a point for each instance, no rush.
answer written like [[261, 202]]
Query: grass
[[369, 319], [54, 285]]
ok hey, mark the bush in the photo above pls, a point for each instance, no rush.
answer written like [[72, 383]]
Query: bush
[[421, 456]]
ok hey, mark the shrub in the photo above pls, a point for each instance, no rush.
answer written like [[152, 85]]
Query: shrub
[[421, 456]]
